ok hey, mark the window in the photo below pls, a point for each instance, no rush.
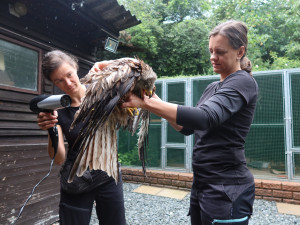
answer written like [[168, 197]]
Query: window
[[19, 66]]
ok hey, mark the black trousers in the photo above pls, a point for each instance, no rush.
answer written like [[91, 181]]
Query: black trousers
[[221, 204], [76, 209]]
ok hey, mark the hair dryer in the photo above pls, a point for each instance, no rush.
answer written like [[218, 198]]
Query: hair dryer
[[49, 103]]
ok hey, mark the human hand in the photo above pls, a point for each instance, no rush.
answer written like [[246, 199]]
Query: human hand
[[99, 66], [133, 101], [47, 120], [155, 96]]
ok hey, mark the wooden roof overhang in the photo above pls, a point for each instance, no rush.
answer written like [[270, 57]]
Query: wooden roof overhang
[[78, 25]]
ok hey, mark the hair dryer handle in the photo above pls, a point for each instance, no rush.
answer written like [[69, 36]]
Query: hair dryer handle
[[53, 133]]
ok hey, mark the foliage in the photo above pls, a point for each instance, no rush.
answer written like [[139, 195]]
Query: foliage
[[127, 149], [283, 62], [184, 46], [180, 10], [130, 157], [173, 35]]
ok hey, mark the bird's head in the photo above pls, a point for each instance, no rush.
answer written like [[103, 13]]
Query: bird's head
[[147, 86], [147, 81]]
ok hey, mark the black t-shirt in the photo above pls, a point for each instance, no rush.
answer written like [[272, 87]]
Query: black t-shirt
[[221, 121], [90, 179], [65, 119]]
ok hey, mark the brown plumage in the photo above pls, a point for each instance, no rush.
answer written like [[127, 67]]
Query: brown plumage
[[103, 115]]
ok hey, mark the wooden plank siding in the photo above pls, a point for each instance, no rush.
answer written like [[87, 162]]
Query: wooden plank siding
[[24, 161], [24, 166]]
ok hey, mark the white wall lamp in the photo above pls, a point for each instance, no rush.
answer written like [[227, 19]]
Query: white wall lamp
[[111, 44], [17, 9]]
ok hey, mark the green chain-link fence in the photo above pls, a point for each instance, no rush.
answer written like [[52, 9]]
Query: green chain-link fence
[[272, 146]]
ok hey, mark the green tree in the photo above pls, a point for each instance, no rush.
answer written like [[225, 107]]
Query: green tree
[[173, 34], [180, 10], [142, 40], [184, 49], [171, 38], [271, 29]]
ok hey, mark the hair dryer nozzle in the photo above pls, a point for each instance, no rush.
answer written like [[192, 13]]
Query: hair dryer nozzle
[[48, 103]]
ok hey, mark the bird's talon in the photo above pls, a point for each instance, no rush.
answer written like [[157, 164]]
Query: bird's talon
[[129, 111], [133, 111]]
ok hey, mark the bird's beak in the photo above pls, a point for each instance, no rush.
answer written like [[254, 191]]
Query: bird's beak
[[149, 93]]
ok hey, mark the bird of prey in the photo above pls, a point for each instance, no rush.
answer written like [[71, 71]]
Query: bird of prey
[[102, 115]]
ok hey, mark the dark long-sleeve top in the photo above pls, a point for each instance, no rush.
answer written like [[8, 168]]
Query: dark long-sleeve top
[[221, 121]]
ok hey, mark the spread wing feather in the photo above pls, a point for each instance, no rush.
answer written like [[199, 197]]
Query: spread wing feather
[[102, 115]]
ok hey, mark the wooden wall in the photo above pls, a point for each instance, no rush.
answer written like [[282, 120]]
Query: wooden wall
[[24, 160]]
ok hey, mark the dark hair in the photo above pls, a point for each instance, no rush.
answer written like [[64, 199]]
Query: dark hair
[[246, 65], [236, 32], [54, 59]]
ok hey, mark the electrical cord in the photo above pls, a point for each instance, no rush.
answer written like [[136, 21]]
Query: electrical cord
[[31, 194], [53, 133]]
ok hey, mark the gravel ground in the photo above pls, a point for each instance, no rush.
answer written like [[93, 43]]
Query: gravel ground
[[154, 210]]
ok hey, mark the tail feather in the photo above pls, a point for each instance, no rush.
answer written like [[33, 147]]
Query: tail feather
[[143, 138]]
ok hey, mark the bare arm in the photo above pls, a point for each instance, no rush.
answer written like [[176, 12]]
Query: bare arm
[[175, 126], [100, 65], [155, 105], [46, 121]]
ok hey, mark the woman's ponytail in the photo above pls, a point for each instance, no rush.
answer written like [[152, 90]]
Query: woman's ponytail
[[246, 65]]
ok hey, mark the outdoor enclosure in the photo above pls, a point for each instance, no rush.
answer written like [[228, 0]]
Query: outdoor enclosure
[[272, 146]]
